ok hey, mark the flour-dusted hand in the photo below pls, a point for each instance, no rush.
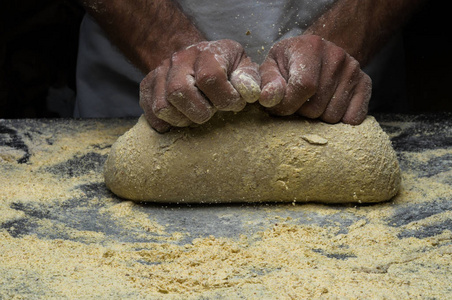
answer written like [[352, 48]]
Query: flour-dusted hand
[[316, 79], [196, 82]]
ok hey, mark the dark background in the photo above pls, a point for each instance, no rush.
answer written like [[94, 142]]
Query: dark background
[[39, 40]]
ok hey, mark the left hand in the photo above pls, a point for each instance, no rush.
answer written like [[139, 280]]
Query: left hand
[[198, 81], [316, 79]]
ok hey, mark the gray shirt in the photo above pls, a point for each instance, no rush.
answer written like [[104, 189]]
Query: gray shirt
[[108, 84]]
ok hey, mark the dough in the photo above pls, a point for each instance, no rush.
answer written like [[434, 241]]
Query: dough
[[253, 157]]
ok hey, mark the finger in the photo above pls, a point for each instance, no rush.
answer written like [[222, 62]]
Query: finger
[[331, 73], [344, 91], [146, 92], [212, 80], [246, 80], [146, 102], [157, 123], [304, 72], [272, 82], [160, 106], [183, 94], [357, 110]]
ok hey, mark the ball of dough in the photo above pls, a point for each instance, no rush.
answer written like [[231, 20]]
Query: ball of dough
[[253, 157]]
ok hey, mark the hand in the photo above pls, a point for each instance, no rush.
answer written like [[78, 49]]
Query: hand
[[196, 82], [316, 79]]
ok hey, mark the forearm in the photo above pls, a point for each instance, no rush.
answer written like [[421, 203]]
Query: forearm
[[362, 27], [146, 31]]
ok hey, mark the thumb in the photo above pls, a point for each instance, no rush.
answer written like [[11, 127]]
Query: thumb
[[246, 80]]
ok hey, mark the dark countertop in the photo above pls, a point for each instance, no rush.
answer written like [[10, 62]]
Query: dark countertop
[[52, 189]]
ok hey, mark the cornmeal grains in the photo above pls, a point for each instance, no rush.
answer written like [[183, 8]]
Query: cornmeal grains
[[63, 235]]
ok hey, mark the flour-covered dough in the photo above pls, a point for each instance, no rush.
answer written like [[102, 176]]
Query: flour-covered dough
[[253, 157]]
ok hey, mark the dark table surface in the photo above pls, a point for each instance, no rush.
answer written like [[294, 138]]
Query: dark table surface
[[52, 188]]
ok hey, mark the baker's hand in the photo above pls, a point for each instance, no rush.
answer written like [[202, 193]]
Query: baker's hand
[[196, 82], [316, 79]]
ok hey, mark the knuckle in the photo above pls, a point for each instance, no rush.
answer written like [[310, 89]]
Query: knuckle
[[173, 88], [314, 39], [176, 58], [353, 73], [176, 89], [207, 77], [231, 43], [302, 86], [315, 44], [338, 55], [155, 108], [146, 81], [354, 65], [176, 96], [367, 80]]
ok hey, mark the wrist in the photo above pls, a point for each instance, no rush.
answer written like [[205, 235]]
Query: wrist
[[147, 31]]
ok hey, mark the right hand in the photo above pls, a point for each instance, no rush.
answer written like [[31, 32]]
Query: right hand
[[196, 82], [314, 78]]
